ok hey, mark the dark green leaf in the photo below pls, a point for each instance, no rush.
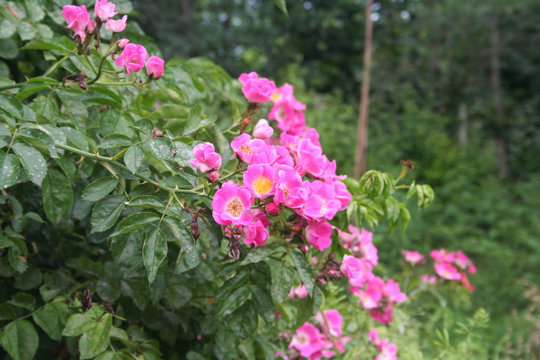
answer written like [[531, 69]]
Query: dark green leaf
[[154, 252], [10, 170], [232, 302], [8, 49], [23, 300], [52, 318], [57, 196], [7, 312], [282, 5], [49, 44], [133, 158], [11, 106], [32, 161], [262, 252], [115, 141], [263, 302], [99, 188], [304, 269], [134, 222], [147, 202], [20, 340], [106, 212], [282, 281]]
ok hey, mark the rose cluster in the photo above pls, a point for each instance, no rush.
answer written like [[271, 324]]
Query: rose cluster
[[374, 293], [290, 172], [134, 57], [387, 350], [320, 340]]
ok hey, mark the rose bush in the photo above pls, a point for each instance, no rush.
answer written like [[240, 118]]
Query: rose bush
[[141, 219]]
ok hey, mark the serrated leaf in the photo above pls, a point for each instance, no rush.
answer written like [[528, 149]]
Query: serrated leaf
[[106, 212], [52, 318], [99, 188], [77, 324], [32, 161], [57, 196], [304, 270], [147, 202], [232, 302], [154, 252], [20, 340], [9, 165], [96, 340], [134, 222], [133, 158]]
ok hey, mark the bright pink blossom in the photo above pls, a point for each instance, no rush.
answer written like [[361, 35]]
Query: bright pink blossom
[[442, 256], [231, 204], [283, 156], [77, 18], [288, 187], [307, 340], [260, 179], [154, 67], [342, 194], [319, 234], [133, 58], [321, 200], [206, 157], [447, 271], [299, 292], [358, 271], [116, 25], [287, 111], [103, 10], [255, 88], [466, 283], [262, 129], [412, 257], [272, 209], [334, 319], [373, 336], [254, 151], [255, 233]]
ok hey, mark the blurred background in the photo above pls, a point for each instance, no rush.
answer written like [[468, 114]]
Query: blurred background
[[455, 87]]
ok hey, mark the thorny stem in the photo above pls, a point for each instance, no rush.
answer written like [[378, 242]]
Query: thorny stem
[[125, 168]]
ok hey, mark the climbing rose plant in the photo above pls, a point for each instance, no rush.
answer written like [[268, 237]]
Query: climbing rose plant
[[149, 211]]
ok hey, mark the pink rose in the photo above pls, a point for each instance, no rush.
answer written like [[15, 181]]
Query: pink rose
[[256, 89], [260, 180], [116, 25], [133, 58], [231, 205], [154, 67], [122, 43], [77, 18], [307, 340], [103, 10], [262, 129], [319, 235], [206, 157], [255, 234], [213, 176]]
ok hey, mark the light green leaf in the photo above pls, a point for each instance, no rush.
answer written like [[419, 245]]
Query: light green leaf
[[34, 10], [99, 188], [106, 212], [26, 30], [52, 318], [7, 28], [57, 196], [77, 324], [154, 252], [9, 165], [32, 161], [133, 158], [96, 340], [282, 5], [20, 340]]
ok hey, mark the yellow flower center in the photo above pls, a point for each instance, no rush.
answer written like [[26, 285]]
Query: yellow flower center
[[234, 208], [262, 185], [275, 96], [246, 149]]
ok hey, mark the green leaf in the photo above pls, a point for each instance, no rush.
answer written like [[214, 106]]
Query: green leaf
[[262, 252], [106, 212], [11, 106], [147, 202], [263, 302], [133, 158], [8, 49], [26, 30], [282, 281], [77, 324], [32, 161], [134, 222], [20, 340], [57, 196], [154, 252], [17, 260], [96, 340], [232, 302], [282, 5], [23, 300], [99, 188], [169, 111], [7, 28], [34, 10], [115, 141], [304, 269], [9, 164], [7, 312], [49, 44], [52, 318]]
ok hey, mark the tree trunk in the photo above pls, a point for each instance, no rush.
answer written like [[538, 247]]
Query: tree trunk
[[502, 158], [362, 132]]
